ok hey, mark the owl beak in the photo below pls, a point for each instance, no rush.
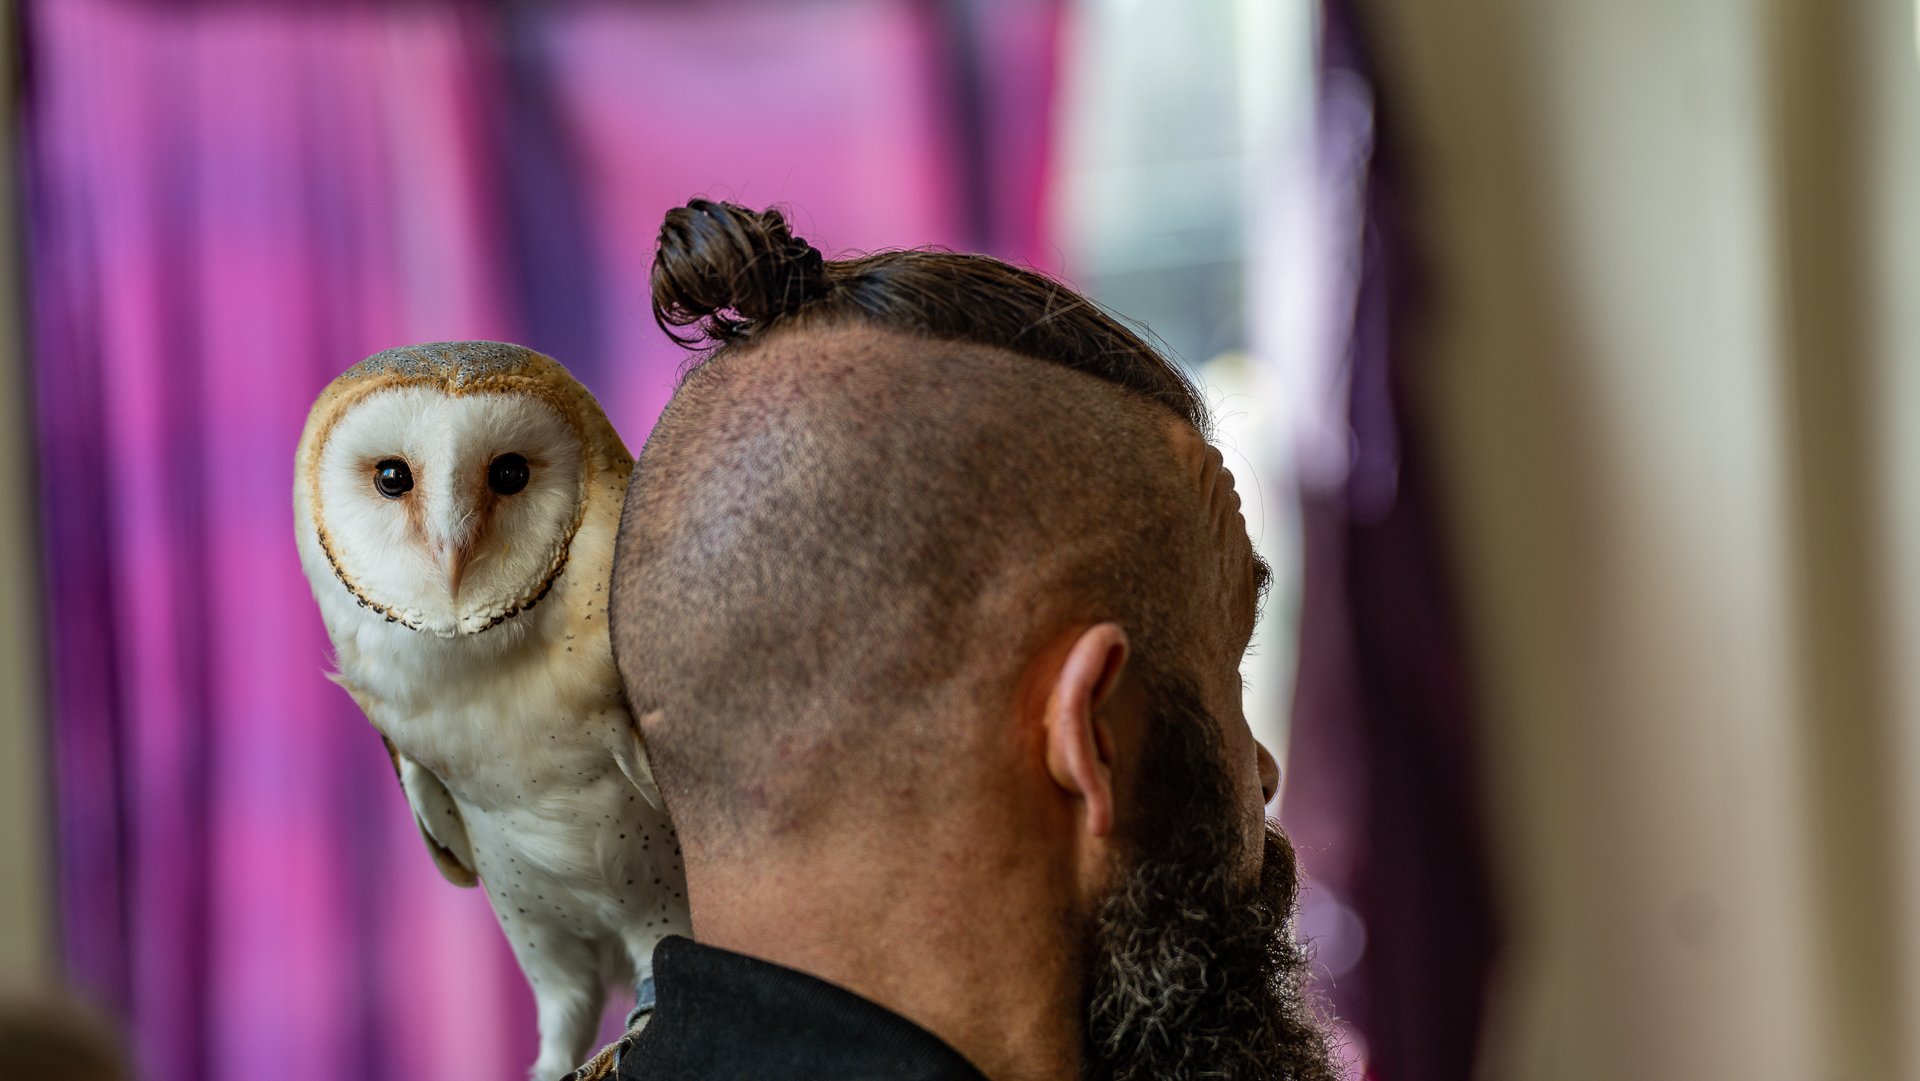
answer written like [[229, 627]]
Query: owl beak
[[453, 563]]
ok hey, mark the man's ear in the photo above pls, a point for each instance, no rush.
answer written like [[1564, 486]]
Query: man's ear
[[1080, 740]]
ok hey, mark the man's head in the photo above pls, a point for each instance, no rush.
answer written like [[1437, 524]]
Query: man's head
[[927, 543]]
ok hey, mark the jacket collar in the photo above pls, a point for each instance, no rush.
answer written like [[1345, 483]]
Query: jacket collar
[[724, 1015]]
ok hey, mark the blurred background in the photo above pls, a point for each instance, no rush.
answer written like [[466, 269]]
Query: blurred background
[[1572, 350]]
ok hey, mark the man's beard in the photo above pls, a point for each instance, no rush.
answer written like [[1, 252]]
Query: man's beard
[[1195, 975]]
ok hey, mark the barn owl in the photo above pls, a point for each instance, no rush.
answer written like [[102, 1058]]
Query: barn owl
[[456, 506]]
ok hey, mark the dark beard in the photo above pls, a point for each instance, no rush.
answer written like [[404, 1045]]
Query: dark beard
[[1193, 974]]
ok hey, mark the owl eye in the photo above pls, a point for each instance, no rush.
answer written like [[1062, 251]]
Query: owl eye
[[392, 478], [508, 474]]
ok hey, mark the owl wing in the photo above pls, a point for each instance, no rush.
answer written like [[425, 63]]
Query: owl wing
[[631, 756], [438, 818]]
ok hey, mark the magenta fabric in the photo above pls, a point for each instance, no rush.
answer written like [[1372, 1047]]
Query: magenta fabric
[[230, 203]]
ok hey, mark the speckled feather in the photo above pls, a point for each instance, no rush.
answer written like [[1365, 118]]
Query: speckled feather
[[458, 364]]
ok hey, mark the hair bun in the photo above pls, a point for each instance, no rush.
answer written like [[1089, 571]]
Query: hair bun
[[731, 270]]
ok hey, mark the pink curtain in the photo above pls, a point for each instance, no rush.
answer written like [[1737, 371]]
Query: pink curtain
[[230, 203]]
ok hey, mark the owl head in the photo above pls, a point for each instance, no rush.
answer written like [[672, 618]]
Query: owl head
[[440, 486]]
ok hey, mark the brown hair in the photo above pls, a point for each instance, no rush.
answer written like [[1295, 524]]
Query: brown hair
[[883, 481], [731, 274]]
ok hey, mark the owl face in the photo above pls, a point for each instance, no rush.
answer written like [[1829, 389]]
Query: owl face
[[449, 513]]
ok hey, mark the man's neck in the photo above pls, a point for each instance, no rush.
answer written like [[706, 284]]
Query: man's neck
[[971, 944]]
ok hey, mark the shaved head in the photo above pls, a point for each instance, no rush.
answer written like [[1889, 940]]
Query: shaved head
[[931, 597], [881, 485], [841, 546]]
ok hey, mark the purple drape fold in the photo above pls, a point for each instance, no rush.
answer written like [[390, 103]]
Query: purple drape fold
[[228, 204], [1384, 798]]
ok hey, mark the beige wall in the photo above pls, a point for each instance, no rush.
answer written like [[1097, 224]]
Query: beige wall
[[26, 942], [1889, 145], [1669, 365]]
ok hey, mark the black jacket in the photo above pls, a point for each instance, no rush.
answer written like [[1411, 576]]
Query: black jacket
[[723, 1016]]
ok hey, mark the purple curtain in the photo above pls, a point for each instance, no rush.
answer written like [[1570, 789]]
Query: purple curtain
[[1383, 795], [230, 203]]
